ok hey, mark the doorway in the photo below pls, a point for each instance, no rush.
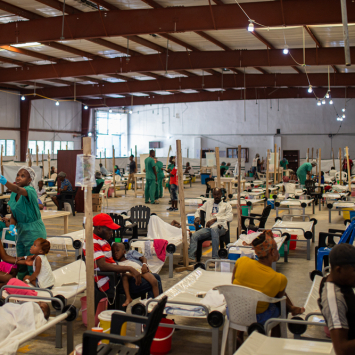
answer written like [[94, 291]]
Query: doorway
[[293, 157]]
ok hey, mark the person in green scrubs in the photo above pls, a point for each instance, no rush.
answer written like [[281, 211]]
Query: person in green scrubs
[[304, 170], [160, 173], [25, 214], [151, 178], [169, 169], [284, 164]]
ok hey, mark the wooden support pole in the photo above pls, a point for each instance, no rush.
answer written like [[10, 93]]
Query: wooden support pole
[[113, 171], [340, 168], [312, 154], [100, 158], [275, 162], [29, 157], [167, 158], [218, 169], [239, 230], [49, 165], [90, 281], [2, 169], [333, 158], [37, 155], [136, 159], [200, 159], [320, 167], [105, 160], [348, 165], [317, 164], [42, 164], [307, 155], [279, 179], [267, 172], [182, 204]]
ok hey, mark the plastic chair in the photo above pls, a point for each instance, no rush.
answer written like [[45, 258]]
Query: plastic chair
[[139, 219], [242, 302], [104, 191], [117, 342], [68, 197], [323, 250], [344, 175], [262, 218]]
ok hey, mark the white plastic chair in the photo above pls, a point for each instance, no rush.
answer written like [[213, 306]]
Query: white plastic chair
[[104, 190], [242, 302], [261, 176]]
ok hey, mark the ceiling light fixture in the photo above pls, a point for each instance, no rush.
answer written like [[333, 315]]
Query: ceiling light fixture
[[331, 102], [251, 26], [323, 101], [310, 89], [343, 116], [85, 107], [110, 111], [57, 103], [327, 95], [23, 98], [285, 50], [130, 112], [343, 109], [318, 103], [29, 44]]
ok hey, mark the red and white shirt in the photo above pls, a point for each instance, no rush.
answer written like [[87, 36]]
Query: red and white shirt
[[102, 249], [173, 177]]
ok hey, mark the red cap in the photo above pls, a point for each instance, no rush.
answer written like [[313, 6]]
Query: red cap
[[104, 220]]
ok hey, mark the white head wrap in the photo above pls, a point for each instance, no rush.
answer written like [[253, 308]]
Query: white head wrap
[[31, 172], [314, 162]]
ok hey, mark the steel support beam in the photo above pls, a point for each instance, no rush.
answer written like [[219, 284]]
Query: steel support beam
[[177, 61], [252, 94], [200, 83], [25, 113], [97, 24]]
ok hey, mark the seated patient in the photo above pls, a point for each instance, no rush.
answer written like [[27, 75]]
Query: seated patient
[[337, 298], [42, 272], [259, 275], [139, 263]]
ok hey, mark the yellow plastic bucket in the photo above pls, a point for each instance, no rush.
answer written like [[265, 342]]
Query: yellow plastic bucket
[[105, 323], [346, 212]]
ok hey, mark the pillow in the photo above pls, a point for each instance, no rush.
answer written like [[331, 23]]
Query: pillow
[[15, 291]]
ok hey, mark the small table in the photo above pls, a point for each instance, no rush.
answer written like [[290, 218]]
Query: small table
[[138, 175], [3, 197], [48, 214]]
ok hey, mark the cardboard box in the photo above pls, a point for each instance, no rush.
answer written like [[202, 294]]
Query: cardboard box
[[97, 200], [96, 208]]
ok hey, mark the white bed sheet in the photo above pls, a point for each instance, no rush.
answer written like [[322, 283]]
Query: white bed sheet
[[295, 202], [57, 241], [288, 226], [343, 204], [259, 344]]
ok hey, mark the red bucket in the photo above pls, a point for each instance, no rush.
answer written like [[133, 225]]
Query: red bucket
[[293, 242], [161, 344]]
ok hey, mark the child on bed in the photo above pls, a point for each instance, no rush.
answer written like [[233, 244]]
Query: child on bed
[[137, 262], [42, 272]]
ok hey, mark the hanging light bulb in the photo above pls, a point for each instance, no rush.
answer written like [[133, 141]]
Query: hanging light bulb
[[327, 95], [251, 26], [57, 103], [318, 103], [343, 109], [110, 111], [323, 101], [285, 51], [343, 116], [338, 118], [85, 107], [23, 98], [130, 111], [89, 134], [331, 102], [310, 89]]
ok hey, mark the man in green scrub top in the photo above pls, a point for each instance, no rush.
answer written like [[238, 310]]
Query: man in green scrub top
[[284, 164], [160, 172], [151, 178], [304, 170]]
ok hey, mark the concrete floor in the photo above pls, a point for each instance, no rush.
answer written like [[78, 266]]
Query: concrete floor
[[297, 271]]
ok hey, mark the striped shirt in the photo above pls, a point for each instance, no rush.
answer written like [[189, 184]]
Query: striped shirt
[[102, 249]]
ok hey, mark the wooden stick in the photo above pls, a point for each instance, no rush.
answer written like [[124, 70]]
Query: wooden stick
[[49, 165], [340, 168], [105, 160], [167, 159], [182, 203], [267, 173], [37, 155], [113, 171], [333, 158], [239, 230], [200, 159], [348, 165], [90, 281], [320, 167], [218, 169], [100, 158], [275, 162], [317, 164], [42, 165], [29, 157], [312, 154], [307, 155], [2, 169]]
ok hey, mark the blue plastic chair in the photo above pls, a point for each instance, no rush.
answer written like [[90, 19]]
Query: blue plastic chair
[[347, 237]]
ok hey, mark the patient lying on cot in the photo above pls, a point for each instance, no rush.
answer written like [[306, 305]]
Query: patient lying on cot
[[119, 255]]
